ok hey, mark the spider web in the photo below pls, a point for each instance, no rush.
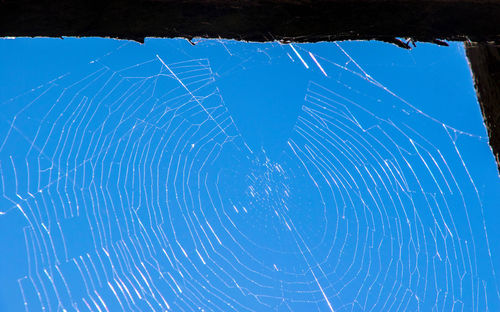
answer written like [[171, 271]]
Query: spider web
[[135, 190]]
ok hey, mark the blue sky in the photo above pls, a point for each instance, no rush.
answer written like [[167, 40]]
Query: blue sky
[[230, 176]]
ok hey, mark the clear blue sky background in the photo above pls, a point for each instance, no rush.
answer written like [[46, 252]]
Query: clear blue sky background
[[229, 176]]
